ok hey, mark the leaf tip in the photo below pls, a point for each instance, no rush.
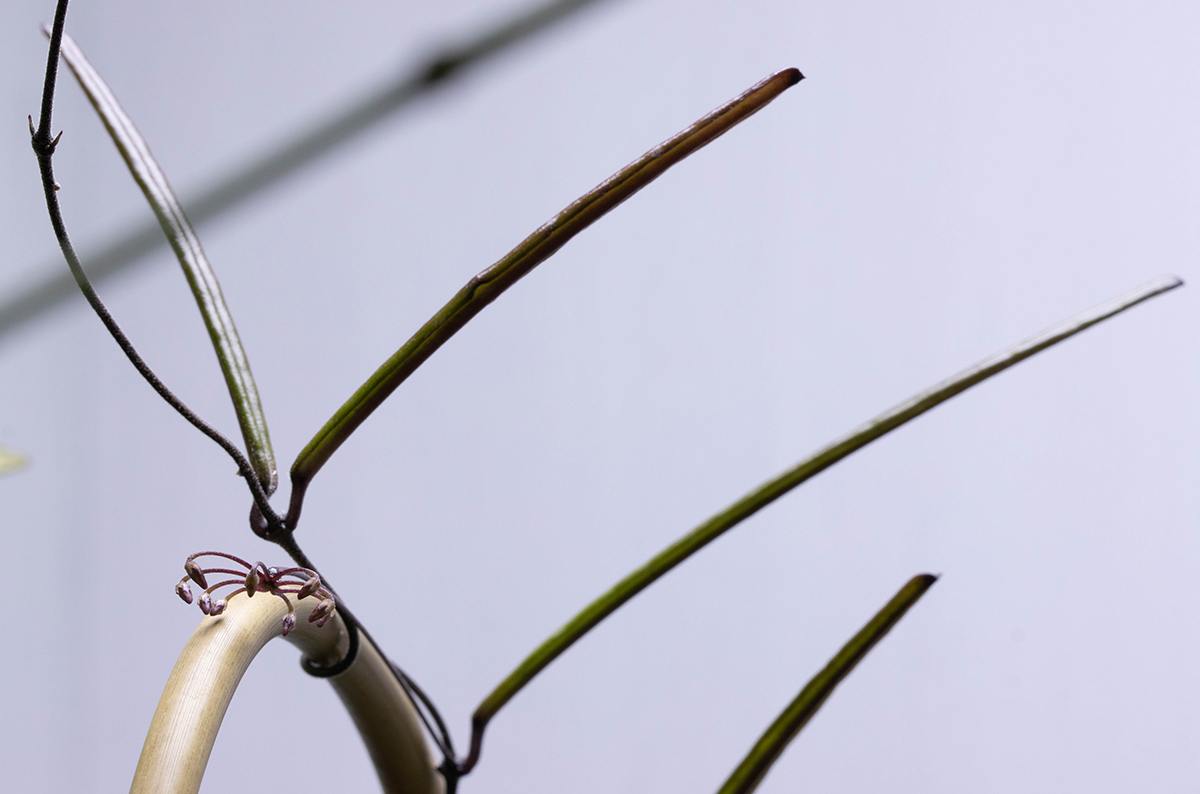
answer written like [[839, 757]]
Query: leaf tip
[[919, 585], [792, 76]]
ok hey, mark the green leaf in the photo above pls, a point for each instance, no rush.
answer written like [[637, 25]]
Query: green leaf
[[767, 493], [10, 461], [535, 249], [775, 740], [200, 276]]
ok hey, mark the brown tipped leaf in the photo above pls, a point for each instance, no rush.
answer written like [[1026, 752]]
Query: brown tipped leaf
[[535, 249]]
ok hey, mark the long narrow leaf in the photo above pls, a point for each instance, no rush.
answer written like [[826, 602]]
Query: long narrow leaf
[[768, 492], [775, 740], [535, 249], [200, 276], [251, 178]]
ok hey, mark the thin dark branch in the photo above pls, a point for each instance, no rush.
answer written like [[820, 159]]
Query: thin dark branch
[[246, 181], [44, 146], [41, 137]]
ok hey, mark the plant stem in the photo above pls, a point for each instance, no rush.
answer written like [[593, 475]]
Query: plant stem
[[205, 677]]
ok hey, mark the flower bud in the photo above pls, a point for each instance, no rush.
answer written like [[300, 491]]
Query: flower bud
[[322, 611], [196, 574], [289, 623], [309, 588], [205, 604], [321, 622], [252, 583], [184, 591], [218, 607]]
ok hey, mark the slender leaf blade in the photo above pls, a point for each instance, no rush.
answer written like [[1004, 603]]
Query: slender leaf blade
[[773, 489], [235, 366], [535, 249], [766, 751]]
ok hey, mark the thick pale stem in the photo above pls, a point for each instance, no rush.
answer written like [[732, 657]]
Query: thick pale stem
[[212, 664]]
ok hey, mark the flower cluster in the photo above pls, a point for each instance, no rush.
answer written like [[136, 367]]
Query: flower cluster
[[256, 578]]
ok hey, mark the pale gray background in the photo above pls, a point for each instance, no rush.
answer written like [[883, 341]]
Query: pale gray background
[[951, 178]]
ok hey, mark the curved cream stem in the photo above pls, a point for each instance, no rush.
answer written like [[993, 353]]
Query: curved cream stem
[[189, 714]]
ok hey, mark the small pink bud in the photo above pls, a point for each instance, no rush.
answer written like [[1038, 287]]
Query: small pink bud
[[321, 622], [184, 591], [252, 583], [196, 574], [309, 588], [218, 607], [289, 623], [205, 604], [321, 612]]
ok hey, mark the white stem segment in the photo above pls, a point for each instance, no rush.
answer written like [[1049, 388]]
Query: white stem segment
[[212, 664]]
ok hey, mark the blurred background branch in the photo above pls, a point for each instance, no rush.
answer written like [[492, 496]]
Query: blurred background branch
[[328, 133]]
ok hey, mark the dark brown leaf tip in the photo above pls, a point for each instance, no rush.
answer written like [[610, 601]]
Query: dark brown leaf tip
[[792, 76], [925, 580]]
